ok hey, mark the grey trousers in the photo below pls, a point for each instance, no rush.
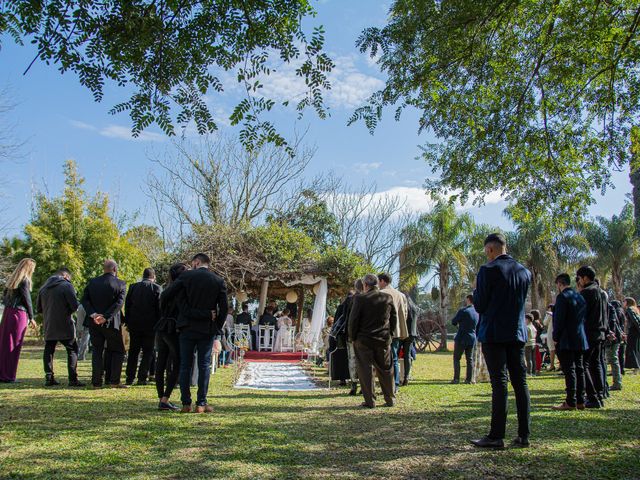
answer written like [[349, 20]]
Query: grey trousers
[[353, 366]]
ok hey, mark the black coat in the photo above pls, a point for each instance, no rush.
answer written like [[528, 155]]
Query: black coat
[[373, 318], [595, 322], [142, 306], [413, 315], [244, 318], [202, 290], [499, 298], [104, 295], [268, 319], [569, 315], [19, 298], [56, 302]]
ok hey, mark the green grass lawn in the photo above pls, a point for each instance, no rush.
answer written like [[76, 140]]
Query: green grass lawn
[[59, 432]]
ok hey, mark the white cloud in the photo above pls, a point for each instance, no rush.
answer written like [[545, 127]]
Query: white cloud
[[366, 168], [349, 86], [118, 131], [124, 133]]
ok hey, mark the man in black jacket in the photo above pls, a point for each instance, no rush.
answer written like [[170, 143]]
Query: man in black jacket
[[372, 323], [570, 340], [201, 290], [596, 331], [103, 299], [56, 302], [142, 312]]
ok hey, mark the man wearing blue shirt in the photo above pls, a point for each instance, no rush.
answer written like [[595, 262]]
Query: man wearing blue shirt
[[500, 295], [466, 320]]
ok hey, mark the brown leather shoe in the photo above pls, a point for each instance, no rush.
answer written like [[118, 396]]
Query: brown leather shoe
[[580, 406], [186, 409], [204, 409], [563, 406]]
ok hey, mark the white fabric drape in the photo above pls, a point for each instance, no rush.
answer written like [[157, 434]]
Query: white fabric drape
[[319, 310]]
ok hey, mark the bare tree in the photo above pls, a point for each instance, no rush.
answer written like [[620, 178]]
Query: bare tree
[[218, 181], [370, 222]]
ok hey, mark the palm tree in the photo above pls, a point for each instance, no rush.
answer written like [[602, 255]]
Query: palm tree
[[437, 243], [532, 246], [614, 245]]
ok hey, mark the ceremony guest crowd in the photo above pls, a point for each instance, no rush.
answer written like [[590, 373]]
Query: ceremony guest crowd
[[173, 332]]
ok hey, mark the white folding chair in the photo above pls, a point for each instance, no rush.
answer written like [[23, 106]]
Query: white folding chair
[[289, 339], [265, 337]]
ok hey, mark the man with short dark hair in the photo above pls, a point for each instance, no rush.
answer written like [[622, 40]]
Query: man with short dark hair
[[596, 332], [142, 312], [201, 290], [571, 341], [56, 302], [372, 322], [465, 340], [244, 318], [102, 300], [500, 295]]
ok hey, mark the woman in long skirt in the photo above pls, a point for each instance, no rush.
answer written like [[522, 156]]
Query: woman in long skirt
[[18, 313], [632, 354]]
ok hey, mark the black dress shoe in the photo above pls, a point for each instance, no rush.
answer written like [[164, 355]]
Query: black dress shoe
[[142, 383], [486, 442], [454, 382], [366, 405], [354, 390], [520, 442], [595, 404], [76, 383], [51, 382]]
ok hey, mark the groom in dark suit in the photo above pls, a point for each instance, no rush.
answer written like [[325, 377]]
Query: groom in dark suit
[[500, 295], [103, 299], [200, 289]]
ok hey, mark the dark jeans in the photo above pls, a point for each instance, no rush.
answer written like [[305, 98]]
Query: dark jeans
[[593, 373], [189, 342], [72, 357], [140, 341], [458, 350], [573, 369], [603, 366], [530, 359], [405, 344], [107, 355], [500, 359], [168, 361]]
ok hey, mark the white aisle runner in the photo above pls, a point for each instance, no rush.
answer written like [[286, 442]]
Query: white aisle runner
[[275, 376]]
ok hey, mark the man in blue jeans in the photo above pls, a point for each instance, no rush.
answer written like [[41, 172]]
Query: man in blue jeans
[[196, 291], [500, 295]]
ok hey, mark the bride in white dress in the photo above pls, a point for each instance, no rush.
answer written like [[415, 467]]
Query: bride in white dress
[[283, 333]]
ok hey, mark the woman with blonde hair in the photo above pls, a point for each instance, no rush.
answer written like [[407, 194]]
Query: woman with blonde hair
[[632, 354], [18, 313]]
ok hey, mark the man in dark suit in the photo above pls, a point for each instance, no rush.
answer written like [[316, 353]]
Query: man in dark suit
[[103, 299], [467, 320], [201, 290], [571, 341], [500, 295], [244, 318], [372, 323], [595, 327], [57, 301], [142, 312]]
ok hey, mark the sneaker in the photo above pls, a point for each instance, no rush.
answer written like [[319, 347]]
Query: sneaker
[[167, 406]]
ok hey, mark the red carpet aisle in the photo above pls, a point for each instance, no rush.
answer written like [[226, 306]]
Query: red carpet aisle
[[282, 357]]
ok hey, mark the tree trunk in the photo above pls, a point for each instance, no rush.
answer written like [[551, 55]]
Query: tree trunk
[[634, 176], [443, 278], [535, 298], [617, 282]]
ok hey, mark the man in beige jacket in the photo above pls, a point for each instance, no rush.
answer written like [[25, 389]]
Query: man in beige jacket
[[401, 336]]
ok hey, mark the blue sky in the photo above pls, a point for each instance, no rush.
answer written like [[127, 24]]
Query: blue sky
[[58, 119]]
